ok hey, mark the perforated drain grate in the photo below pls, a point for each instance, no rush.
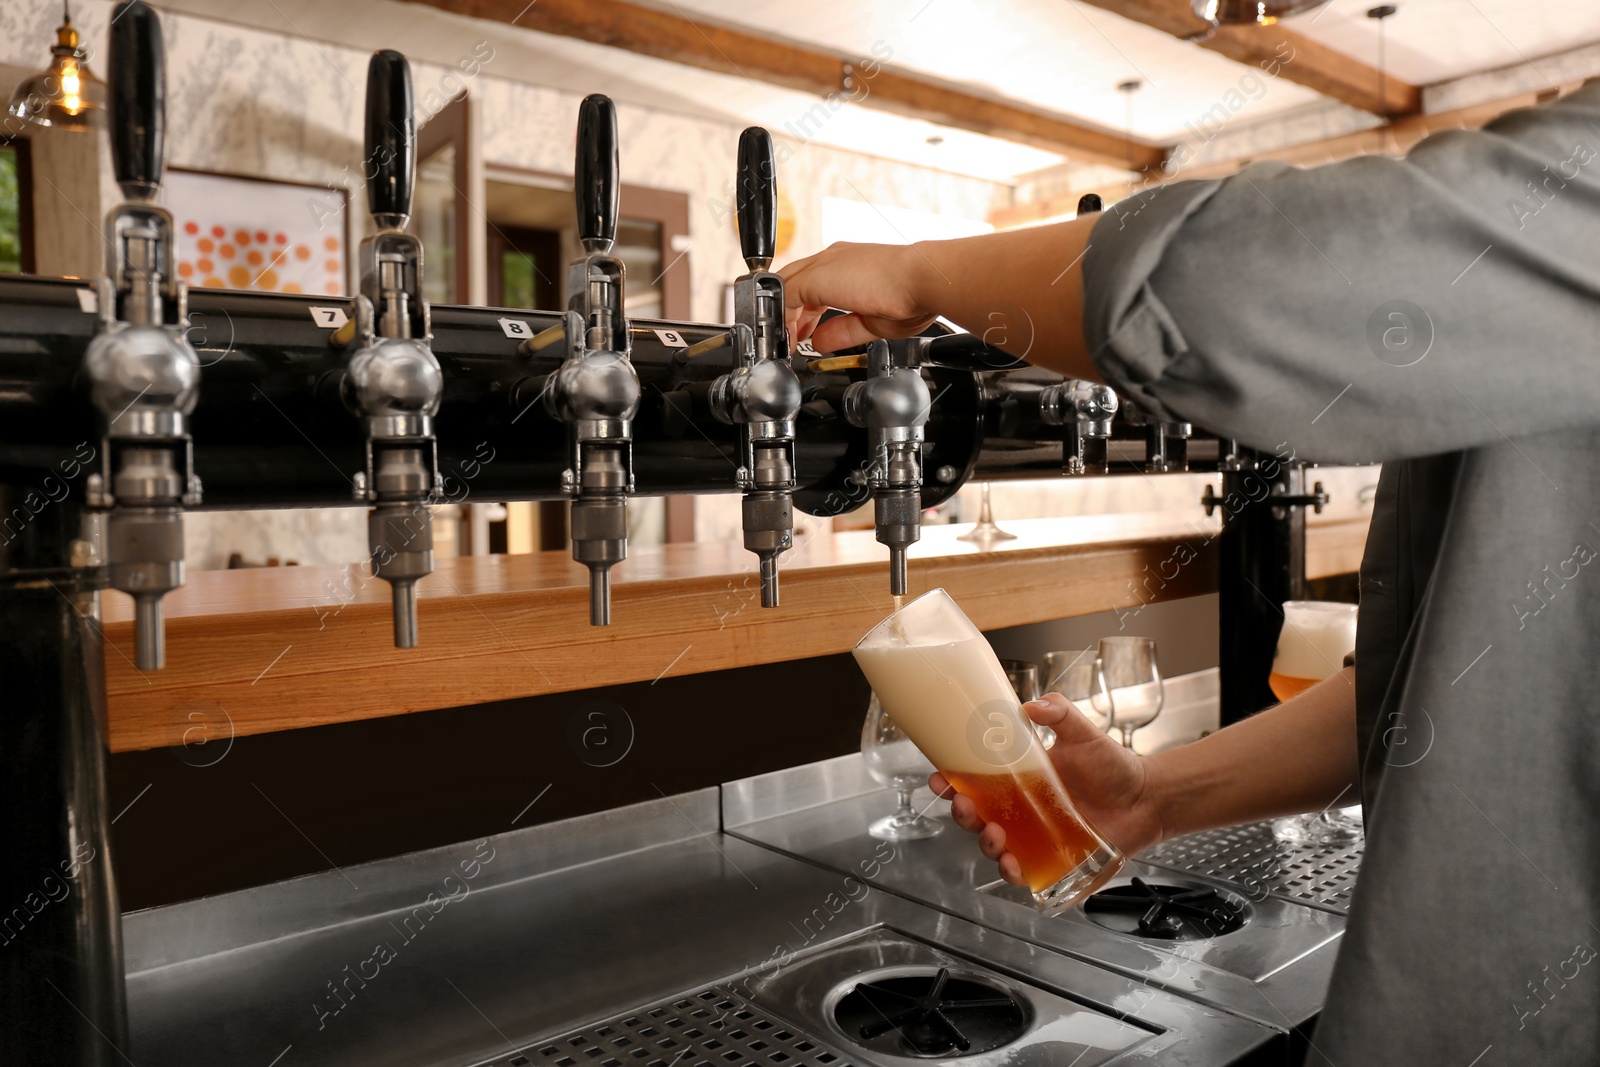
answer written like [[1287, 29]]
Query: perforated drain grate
[[1252, 858], [708, 1028]]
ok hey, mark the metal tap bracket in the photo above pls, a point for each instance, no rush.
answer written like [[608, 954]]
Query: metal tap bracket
[[393, 381], [143, 374]]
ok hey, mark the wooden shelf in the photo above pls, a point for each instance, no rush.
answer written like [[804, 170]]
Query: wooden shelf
[[254, 651], [1335, 547]]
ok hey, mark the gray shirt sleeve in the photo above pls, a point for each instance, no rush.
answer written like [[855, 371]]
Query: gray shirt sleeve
[[1368, 310]]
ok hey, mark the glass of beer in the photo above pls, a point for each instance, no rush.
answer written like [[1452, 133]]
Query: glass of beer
[[1316, 637], [940, 681]]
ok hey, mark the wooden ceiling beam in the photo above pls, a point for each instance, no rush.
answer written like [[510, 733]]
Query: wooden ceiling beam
[[742, 54], [1394, 139], [1296, 58]]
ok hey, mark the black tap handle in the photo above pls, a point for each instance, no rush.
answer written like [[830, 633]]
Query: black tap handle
[[138, 99], [757, 199], [595, 173], [1089, 203], [391, 163]]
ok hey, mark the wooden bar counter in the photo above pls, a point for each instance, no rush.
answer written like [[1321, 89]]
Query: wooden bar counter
[[281, 648]]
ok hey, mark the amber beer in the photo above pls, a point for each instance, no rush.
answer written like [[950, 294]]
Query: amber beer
[[940, 682], [1316, 637]]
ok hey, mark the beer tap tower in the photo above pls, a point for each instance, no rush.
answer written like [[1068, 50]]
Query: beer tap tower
[[143, 374], [61, 966], [596, 389], [761, 395], [393, 382]]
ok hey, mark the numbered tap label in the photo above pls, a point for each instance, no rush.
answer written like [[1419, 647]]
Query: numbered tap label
[[671, 338], [329, 318], [516, 329]]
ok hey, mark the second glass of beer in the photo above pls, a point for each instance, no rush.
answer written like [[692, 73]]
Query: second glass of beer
[[939, 680]]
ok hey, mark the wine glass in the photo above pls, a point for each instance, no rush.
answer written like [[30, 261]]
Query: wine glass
[[1133, 679], [985, 530], [895, 762], [1076, 675], [1316, 637], [1024, 679]]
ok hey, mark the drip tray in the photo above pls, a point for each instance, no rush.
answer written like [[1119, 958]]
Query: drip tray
[[885, 998], [858, 1002], [709, 1027]]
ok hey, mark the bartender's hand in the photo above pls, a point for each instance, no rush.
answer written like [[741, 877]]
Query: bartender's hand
[[875, 283], [1021, 290], [1109, 785]]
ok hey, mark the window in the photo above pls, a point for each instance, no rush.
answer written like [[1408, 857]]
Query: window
[[434, 222], [16, 209]]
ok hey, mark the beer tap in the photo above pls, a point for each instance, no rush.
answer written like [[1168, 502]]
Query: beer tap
[[596, 389], [1085, 409], [1166, 442], [761, 395], [393, 382], [143, 374], [892, 404]]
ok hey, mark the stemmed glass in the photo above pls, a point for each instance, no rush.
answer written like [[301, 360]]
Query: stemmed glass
[[895, 762], [986, 530], [1076, 675], [1024, 678], [1133, 678]]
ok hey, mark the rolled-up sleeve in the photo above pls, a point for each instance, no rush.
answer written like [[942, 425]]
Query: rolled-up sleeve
[[1372, 309]]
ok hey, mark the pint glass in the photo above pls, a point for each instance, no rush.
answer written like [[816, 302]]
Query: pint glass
[[940, 682]]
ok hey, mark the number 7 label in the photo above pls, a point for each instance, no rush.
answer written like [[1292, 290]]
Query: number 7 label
[[329, 318]]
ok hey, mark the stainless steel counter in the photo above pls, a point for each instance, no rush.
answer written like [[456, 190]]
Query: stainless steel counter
[[1275, 969], [493, 951]]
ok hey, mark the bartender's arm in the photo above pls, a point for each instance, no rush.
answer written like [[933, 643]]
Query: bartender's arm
[[1021, 290], [1299, 756], [1317, 310]]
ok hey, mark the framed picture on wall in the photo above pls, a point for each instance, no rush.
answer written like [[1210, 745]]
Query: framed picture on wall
[[254, 233]]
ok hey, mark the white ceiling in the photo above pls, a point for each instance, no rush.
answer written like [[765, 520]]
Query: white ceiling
[[1434, 40], [1059, 55]]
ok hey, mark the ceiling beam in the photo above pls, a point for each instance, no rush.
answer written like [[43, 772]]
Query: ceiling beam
[[1315, 66], [1394, 139], [742, 54]]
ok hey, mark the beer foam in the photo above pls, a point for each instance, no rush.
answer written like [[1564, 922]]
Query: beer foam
[[947, 691], [1316, 637]]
